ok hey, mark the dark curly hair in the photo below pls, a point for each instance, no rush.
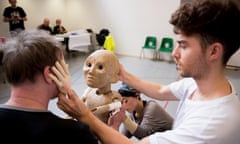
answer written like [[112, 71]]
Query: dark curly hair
[[212, 21]]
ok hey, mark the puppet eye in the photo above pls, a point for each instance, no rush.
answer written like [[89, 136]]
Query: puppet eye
[[89, 64], [100, 67]]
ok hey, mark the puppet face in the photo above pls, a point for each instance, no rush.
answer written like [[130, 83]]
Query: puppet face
[[101, 69]]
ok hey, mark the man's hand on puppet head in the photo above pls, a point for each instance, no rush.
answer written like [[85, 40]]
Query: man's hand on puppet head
[[61, 75]]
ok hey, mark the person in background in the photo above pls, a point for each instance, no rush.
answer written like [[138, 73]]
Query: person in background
[[15, 16], [46, 26], [208, 111], [58, 28], [25, 117], [145, 117]]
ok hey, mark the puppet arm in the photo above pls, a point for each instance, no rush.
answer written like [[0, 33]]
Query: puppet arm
[[85, 93], [114, 106]]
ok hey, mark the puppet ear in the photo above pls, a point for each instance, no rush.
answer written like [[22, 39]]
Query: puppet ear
[[115, 70], [114, 78]]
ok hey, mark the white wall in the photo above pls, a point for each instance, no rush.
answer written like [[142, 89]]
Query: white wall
[[128, 20]]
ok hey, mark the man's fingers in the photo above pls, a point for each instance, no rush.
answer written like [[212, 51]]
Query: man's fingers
[[54, 78], [65, 101], [57, 73], [62, 100], [65, 66], [60, 68]]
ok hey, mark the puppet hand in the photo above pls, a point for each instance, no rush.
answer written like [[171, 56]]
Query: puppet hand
[[115, 106], [61, 75], [115, 111]]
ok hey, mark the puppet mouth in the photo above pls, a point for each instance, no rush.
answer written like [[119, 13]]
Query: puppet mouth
[[91, 81], [90, 78]]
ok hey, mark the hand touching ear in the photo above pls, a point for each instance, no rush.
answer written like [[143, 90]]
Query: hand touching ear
[[61, 75]]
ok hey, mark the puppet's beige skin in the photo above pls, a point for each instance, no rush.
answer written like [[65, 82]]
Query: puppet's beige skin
[[101, 70]]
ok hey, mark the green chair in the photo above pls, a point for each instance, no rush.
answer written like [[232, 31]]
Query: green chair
[[166, 48], [151, 44]]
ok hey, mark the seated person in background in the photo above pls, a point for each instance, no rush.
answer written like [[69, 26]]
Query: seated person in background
[[101, 69], [46, 26], [146, 117], [58, 28], [25, 116]]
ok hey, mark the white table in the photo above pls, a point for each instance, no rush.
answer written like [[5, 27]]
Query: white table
[[79, 40]]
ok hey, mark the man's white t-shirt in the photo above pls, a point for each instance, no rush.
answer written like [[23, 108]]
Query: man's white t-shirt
[[202, 122]]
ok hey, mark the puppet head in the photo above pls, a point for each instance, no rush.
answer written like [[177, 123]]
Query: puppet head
[[101, 68]]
